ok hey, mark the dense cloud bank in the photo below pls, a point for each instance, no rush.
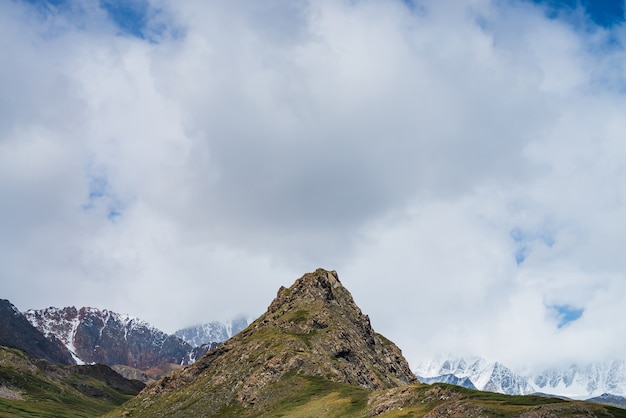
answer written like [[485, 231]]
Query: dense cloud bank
[[461, 164]]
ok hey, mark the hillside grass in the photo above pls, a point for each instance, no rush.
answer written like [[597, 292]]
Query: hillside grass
[[312, 396], [300, 396], [48, 390], [497, 405]]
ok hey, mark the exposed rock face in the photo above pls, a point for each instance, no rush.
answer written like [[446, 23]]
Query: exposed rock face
[[201, 350], [105, 337], [132, 373], [318, 306], [313, 328], [17, 332]]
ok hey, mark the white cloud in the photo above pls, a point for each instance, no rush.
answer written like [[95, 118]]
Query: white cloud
[[186, 180]]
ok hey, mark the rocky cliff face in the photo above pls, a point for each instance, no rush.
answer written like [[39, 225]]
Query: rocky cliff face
[[105, 337], [313, 328], [17, 332], [319, 307]]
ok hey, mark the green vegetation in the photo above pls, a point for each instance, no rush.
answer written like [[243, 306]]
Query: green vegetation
[[42, 389], [460, 401], [296, 395], [301, 315]]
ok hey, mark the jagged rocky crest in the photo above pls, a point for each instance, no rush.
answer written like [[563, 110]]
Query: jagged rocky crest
[[105, 337], [320, 307], [312, 328]]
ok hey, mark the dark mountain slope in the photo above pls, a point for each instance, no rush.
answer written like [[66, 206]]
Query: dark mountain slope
[[17, 332]]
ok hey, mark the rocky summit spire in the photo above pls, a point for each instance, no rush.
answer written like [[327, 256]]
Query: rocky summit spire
[[311, 329], [338, 336]]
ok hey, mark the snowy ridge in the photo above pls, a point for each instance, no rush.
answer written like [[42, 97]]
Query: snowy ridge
[[57, 324], [576, 381], [484, 375], [102, 336], [589, 380], [212, 332]]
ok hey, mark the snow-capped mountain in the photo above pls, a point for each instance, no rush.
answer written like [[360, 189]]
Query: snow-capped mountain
[[589, 380], [449, 379], [212, 332], [579, 382], [483, 375], [101, 336]]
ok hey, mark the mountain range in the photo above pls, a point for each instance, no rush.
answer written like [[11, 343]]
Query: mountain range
[[90, 335], [576, 381], [105, 337], [38, 379], [312, 353], [101, 336]]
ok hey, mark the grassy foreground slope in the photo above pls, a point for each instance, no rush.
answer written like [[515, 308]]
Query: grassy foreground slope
[[300, 396], [37, 388]]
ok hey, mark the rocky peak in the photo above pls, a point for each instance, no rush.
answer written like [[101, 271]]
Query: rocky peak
[[320, 285], [321, 310], [312, 328]]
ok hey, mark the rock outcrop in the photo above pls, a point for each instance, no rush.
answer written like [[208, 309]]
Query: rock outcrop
[[312, 328]]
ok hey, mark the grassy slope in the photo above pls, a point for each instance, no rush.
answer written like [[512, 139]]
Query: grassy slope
[[320, 399], [48, 390], [307, 396], [317, 398]]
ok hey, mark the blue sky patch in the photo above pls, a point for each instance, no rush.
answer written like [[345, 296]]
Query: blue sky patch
[[566, 314], [101, 196], [525, 240], [114, 215], [520, 255], [97, 187], [130, 16], [604, 13], [136, 18]]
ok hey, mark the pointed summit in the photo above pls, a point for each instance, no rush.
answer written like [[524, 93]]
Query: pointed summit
[[323, 313], [312, 330]]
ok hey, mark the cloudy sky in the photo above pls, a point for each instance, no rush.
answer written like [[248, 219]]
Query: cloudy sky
[[461, 164]]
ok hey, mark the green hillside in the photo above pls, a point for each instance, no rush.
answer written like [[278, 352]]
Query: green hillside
[[37, 388]]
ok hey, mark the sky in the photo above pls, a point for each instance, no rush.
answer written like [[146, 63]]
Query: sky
[[461, 165]]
